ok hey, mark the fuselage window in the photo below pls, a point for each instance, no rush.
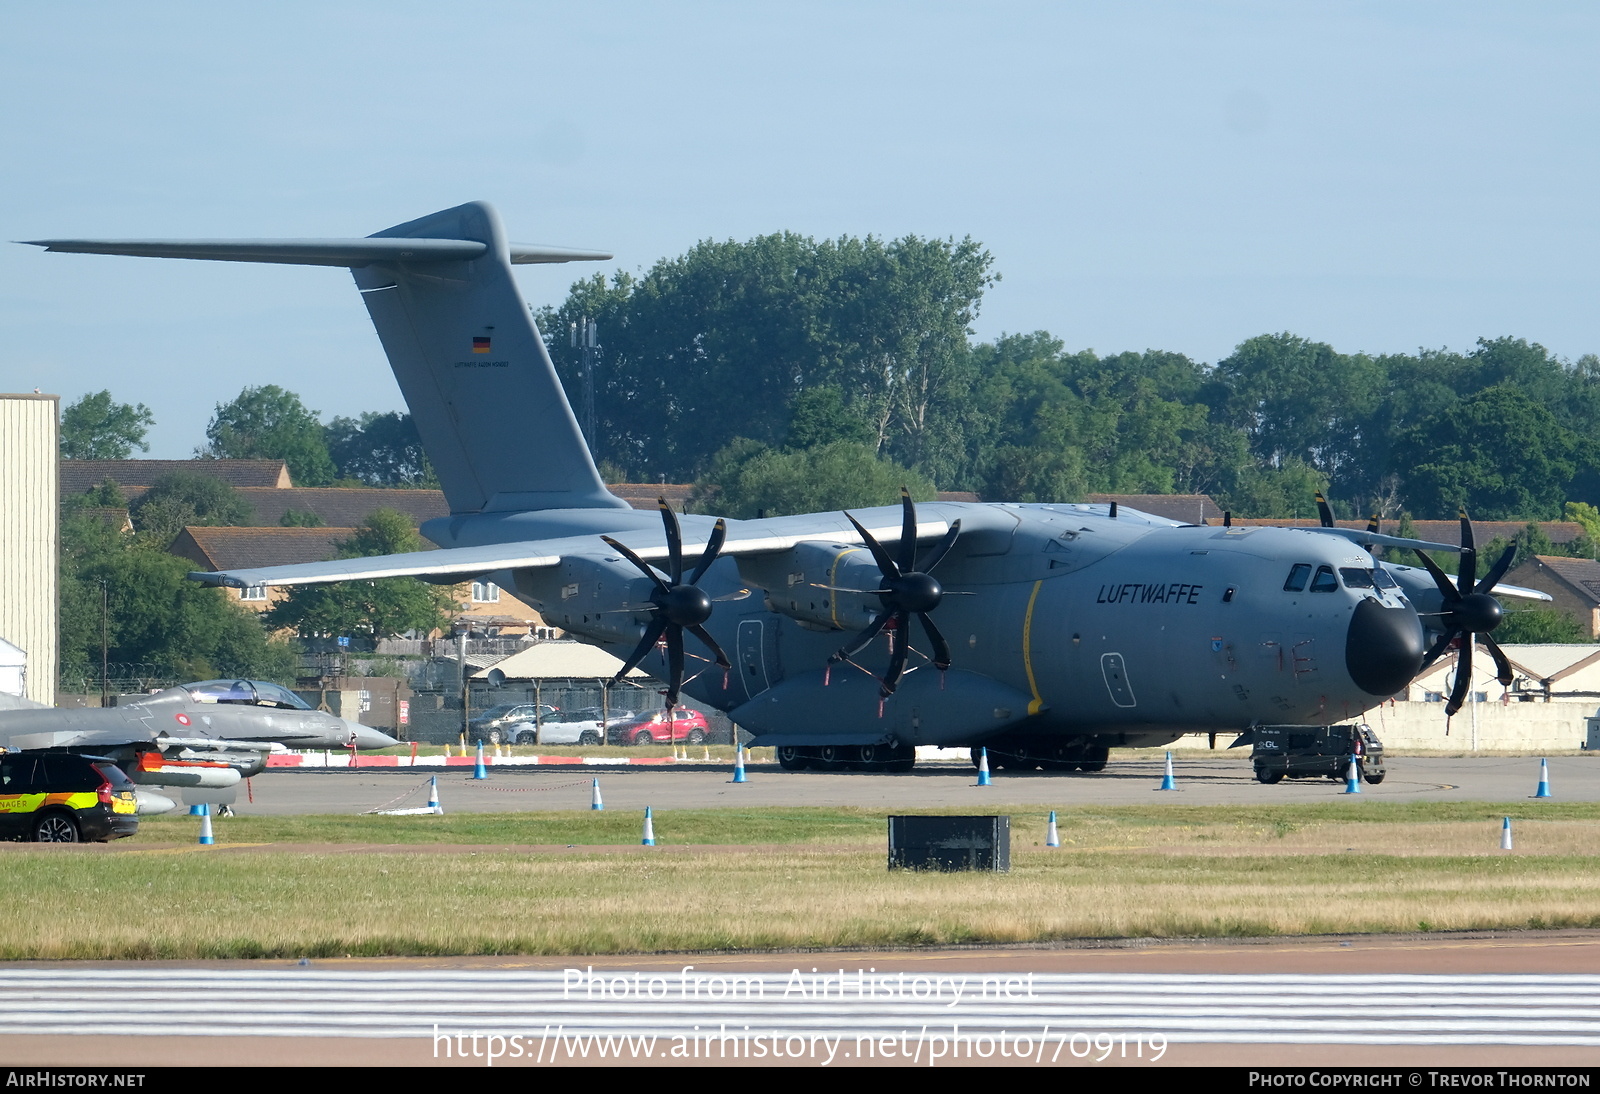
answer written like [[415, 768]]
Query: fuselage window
[[1355, 578], [1297, 578], [1324, 582]]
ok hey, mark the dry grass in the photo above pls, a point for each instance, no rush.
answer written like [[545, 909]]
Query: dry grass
[[1122, 878]]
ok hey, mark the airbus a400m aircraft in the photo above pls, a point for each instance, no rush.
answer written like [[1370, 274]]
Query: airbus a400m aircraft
[[1048, 633]]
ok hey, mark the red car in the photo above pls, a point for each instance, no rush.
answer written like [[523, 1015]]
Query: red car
[[653, 727]]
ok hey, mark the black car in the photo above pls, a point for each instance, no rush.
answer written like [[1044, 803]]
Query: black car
[[1309, 752], [61, 797]]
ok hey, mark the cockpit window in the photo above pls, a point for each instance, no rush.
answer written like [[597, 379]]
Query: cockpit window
[[1297, 578], [257, 693], [1381, 578], [1324, 582], [1356, 578]]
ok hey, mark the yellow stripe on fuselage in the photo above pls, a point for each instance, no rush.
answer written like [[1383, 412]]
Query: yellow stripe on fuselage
[[1037, 704], [833, 579]]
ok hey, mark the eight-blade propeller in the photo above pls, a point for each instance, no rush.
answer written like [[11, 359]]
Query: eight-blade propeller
[[1470, 613], [906, 591], [678, 605]]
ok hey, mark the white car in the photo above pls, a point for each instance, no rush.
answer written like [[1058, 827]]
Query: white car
[[560, 728]]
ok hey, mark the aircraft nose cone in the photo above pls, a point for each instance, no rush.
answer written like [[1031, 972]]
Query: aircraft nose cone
[[367, 737], [1384, 648]]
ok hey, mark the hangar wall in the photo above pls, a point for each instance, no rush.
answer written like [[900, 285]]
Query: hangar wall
[[30, 536]]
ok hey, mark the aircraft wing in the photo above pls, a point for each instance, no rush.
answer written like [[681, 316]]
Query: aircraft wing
[[464, 563]]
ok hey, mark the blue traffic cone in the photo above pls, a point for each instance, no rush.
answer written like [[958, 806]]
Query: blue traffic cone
[[433, 795], [983, 767], [594, 797], [1167, 781], [205, 825], [1052, 838], [197, 810], [1505, 834], [1544, 780], [649, 830], [479, 772], [1352, 778], [738, 764]]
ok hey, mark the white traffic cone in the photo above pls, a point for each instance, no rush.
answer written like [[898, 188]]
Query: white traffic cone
[[205, 825], [1052, 838], [1505, 835], [738, 764], [1167, 781], [983, 767], [1544, 780], [1352, 778], [594, 797], [433, 795], [649, 830]]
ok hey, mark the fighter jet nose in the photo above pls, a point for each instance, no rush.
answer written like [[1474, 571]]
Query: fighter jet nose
[[366, 737], [1384, 649]]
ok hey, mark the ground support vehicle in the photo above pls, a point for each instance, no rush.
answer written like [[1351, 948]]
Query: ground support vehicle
[[1310, 752], [60, 797]]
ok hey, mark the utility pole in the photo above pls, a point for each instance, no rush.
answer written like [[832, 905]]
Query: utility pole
[[105, 645], [584, 336]]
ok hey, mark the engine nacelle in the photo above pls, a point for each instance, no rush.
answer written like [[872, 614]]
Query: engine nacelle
[[591, 597], [804, 583]]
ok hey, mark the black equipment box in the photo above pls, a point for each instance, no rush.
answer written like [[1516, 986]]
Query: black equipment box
[[950, 843]]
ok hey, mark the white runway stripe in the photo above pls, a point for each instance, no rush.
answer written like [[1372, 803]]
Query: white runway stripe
[[302, 1002]]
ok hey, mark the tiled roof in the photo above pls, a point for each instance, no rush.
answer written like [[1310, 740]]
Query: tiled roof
[[248, 548], [643, 495], [78, 476], [1581, 573], [1188, 508], [344, 506]]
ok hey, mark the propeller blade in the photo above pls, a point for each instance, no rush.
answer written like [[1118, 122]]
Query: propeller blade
[[711, 644], [674, 541], [1502, 666], [737, 594], [908, 531], [1436, 649], [941, 648], [674, 664], [1458, 694], [879, 555], [1497, 571], [859, 642], [652, 635], [897, 659], [1467, 572], [644, 568], [941, 548], [1324, 513], [1440, 578], [1374, 525], [713, 548], [1227, 518]]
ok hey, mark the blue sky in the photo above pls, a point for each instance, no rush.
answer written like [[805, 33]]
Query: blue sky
[[1177, 176]]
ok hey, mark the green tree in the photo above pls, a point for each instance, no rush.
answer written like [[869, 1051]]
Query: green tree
[[296, 518], [372, 609], [96, 428], [1536, 625], [156, 615], [748, 479], [183, 498], [379, 450], [269, 423]]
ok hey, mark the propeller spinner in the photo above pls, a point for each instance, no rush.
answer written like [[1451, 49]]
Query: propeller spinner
[[678, 605], [1470, 613], [906, 591]]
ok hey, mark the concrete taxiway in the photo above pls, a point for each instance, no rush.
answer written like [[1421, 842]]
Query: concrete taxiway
[[1207, 779]]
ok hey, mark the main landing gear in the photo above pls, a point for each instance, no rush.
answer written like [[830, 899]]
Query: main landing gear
[[897, 758]]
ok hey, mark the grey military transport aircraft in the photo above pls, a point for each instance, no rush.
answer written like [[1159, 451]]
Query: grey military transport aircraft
[[1048, 633], [206, 735]]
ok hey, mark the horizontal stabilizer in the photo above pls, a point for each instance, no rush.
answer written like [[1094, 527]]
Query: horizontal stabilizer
[[351, 253]]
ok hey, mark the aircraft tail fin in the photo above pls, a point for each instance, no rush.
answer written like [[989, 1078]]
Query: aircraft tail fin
[[469, 360]]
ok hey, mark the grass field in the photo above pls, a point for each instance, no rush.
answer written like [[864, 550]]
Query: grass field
[[1164, 871]]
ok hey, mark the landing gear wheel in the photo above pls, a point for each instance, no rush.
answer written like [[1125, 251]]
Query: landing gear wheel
[[1094, 758], [55, 828], [827, 757], [792, 758], [901, 759]]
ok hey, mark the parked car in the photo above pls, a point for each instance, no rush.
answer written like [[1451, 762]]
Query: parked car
[[493, 725], [61, 797], [1309, 752], [654, 727], [574, 727]]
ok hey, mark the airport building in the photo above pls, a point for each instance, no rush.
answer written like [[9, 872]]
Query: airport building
[[30, 539]]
